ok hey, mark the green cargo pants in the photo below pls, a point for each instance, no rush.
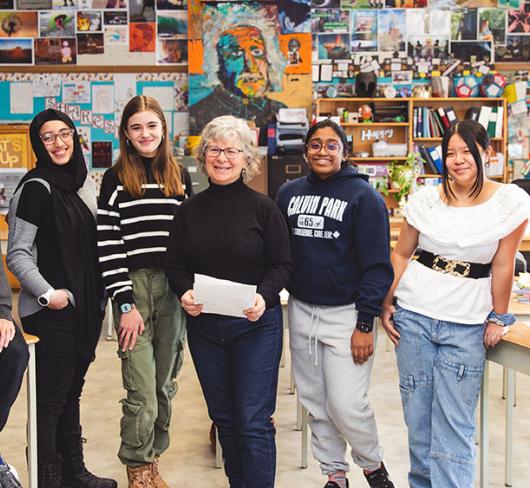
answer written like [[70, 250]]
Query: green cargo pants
[[150, 370]]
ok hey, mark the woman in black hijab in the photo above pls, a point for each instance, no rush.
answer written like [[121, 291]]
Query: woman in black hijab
[[52, 251]]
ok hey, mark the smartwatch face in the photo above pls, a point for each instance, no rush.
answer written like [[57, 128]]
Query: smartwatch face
[[126, 307], [43, 301]]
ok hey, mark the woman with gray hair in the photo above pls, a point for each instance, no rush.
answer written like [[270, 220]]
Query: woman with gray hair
[[231, 232]]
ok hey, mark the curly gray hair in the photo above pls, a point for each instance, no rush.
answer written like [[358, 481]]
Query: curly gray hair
[[226, 129]]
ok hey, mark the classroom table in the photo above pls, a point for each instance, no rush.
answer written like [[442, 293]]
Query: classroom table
[[512, 352]]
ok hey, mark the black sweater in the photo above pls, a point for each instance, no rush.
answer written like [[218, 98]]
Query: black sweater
[[229, 232]]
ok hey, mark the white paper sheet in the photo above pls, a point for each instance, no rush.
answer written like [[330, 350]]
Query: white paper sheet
[[223, 297], [46, 85], [21, 97], [103, 99], [164, 94]]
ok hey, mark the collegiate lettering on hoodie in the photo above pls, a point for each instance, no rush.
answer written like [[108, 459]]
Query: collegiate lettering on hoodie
[[332, 208]]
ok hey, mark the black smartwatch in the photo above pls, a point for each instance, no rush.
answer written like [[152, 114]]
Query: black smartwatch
[[365, 327]]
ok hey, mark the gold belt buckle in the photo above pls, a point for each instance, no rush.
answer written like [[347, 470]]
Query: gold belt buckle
[[450, 266]]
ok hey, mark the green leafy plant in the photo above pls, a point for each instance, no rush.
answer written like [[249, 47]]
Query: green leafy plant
[[401, 177]]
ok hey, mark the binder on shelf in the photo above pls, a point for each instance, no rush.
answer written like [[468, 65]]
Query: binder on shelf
[[427, 159], [472, 113], [435, 152], [492, 122], [443, 117], [484, 116], [500, 121], [451, 116]]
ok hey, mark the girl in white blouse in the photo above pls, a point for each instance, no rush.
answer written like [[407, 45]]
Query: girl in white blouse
[[445, 308]]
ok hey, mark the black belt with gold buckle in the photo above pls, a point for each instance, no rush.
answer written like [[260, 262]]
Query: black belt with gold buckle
[[454, 267]]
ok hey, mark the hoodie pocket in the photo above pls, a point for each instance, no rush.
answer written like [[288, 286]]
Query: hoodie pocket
[[315, 280]]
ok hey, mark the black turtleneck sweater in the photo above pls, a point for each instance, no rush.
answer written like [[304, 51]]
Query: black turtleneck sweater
[[229, 232]]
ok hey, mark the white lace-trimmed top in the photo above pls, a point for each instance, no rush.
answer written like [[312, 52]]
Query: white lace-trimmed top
[[465, 233]]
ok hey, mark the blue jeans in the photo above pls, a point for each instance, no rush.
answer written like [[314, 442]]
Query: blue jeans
[[237, 364], [440, 373]]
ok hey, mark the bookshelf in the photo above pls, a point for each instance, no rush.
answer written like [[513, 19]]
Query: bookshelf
[[402, 131]]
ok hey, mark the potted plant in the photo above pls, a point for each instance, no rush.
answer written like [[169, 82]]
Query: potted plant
[[402, 178]]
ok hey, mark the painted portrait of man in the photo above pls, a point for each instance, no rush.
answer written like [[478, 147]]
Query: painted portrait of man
[[242, 66]]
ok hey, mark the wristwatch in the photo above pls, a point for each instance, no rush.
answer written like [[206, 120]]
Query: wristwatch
[[365, 327], [125, 307], [44, 299]]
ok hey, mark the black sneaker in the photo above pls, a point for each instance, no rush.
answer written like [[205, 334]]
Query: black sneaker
[[379, 478], [332, 484], [7, 477]]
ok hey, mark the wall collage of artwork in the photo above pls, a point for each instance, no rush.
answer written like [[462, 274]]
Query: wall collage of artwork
[[409, 39], [89, 32]]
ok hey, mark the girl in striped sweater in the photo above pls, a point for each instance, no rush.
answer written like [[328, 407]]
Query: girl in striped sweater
[[138, 199]]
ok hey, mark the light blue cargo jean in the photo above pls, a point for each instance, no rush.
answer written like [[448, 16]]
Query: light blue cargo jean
[[440, 373]]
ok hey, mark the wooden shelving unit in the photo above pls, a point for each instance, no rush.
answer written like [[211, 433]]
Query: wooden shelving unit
[[402, 132]]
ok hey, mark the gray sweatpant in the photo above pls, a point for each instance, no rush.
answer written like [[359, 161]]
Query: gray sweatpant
[[332, 387]]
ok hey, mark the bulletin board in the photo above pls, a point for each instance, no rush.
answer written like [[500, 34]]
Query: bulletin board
[[94, 101]]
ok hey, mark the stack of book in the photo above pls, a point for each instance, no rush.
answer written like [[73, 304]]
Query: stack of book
[[432, 122]]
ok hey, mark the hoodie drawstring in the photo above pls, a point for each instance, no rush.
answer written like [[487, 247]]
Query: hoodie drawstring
[[313, 332]]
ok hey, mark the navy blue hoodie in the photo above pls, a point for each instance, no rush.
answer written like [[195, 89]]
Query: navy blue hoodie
[[340, 241]]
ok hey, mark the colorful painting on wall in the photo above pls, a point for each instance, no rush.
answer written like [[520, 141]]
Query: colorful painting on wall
[[19, 24], [237, 66]]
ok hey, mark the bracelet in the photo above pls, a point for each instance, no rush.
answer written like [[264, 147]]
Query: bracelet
[[502, 319]]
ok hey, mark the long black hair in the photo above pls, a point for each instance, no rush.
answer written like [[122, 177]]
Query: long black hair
[[337, 129], [472, 133]]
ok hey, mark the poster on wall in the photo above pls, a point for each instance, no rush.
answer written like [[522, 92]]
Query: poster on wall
[[34, 4], [19, 24], [516, 50], [142, 37], [57, 24], [101, 154], [237, 66], [392, 25], [55, 50], [172, 51], [16, 51]]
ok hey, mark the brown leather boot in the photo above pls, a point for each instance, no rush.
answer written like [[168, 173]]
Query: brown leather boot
[[157, 479], [140, 477]]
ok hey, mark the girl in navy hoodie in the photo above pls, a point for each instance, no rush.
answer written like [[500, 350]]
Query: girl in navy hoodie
[[340, 251]]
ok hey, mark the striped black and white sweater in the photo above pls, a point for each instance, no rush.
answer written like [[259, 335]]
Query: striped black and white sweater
[[133, 232]]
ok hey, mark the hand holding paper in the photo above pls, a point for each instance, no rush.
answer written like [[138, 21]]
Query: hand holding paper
[[224, 297]]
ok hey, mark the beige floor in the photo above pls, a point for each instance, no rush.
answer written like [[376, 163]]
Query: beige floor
[[190, 463]]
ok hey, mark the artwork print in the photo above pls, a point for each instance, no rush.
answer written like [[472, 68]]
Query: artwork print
[[236, 65]]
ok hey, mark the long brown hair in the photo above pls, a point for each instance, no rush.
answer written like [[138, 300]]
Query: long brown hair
[[129, 167]]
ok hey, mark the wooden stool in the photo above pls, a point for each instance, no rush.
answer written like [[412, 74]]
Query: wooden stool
[[31, 340]]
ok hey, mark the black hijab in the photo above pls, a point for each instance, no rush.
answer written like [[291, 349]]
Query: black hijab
[[76, 229]]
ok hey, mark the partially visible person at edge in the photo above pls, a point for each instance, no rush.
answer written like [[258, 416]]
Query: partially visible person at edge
[[341, 255], [14, 358], [52, 252], [138, 199], [447, 307], [230, 231]]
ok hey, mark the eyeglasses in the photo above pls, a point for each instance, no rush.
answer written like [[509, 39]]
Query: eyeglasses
[[332, 148], [50, 137], [231, 153]]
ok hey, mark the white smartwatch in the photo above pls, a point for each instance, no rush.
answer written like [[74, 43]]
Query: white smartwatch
[[44, 299]]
